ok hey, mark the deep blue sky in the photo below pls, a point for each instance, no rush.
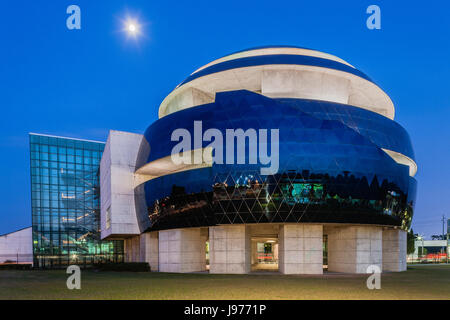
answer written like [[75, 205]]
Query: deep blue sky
[[81, 83]]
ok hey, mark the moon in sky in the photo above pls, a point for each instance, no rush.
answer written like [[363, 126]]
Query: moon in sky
[[132, 28]]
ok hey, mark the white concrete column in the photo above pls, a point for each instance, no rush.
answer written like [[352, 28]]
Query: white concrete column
[[300, 249], [394, 250], [126, 250], [229, 249], [182, 250], [352, 249], [132, 249], [149, 248], [275, 251], [254, 253]]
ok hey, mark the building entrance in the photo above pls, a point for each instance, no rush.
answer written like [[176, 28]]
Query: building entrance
[[264, 254]]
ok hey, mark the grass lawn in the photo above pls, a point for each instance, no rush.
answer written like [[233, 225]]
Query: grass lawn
[[419, 282]]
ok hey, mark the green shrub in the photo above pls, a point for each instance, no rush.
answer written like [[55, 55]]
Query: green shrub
[[125, 266], [15, 266]]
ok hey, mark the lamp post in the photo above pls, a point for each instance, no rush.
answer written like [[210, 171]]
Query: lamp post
[[444, 236], [420, 238], [448, 250]]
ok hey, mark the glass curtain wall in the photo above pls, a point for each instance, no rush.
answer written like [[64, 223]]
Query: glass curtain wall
[[66, 203]]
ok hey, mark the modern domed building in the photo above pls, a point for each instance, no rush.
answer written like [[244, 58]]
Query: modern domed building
[[276, 158]]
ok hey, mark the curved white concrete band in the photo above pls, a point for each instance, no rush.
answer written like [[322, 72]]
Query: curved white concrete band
[[275, 50], [165, 166], [402, 159], [282, 81]]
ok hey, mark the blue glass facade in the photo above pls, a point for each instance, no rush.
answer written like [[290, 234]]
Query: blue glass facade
[[331, 167], [65, 203], [383, 132]]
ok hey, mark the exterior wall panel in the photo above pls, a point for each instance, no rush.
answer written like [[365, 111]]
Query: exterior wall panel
[[17, 247]]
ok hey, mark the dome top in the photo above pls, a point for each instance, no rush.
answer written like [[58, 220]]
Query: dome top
[[270, 50], [280, 72]]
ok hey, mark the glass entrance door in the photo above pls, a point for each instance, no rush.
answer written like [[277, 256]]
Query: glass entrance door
[[265, 254]]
